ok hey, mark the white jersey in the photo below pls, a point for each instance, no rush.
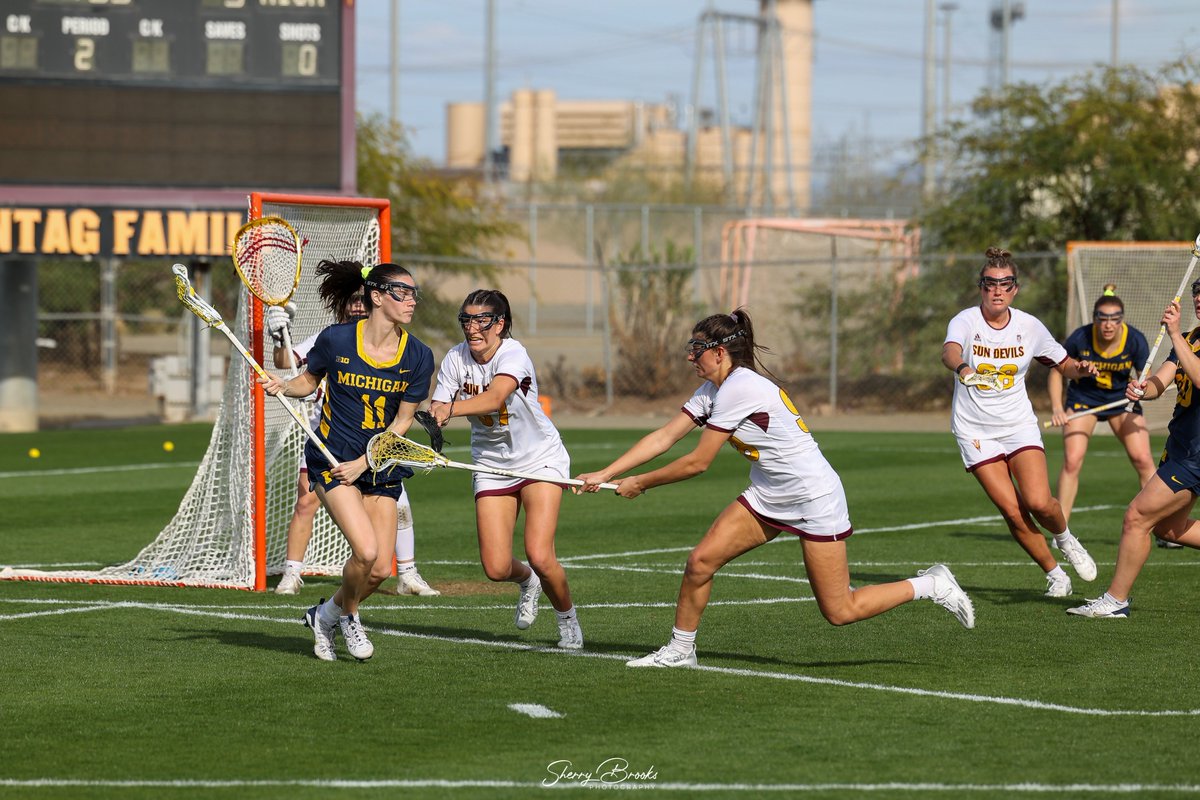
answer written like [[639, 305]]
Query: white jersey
[[786, 465], [300, 351], [980, 412], [520, 437]]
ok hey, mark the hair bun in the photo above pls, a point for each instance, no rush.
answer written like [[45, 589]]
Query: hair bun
[[1110, 290]]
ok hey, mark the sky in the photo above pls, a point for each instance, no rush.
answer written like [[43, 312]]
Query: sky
[[867, 71]]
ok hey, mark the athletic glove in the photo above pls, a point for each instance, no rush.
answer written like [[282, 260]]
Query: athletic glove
[[432, 429], [279, 319]]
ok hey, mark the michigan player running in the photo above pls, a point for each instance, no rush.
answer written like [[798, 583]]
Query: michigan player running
[[1116, 349], [376, 375], [489, 378], [998, 434], [792, 489], [1164, 505]]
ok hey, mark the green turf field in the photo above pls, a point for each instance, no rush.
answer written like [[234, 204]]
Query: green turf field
[[182, 693]]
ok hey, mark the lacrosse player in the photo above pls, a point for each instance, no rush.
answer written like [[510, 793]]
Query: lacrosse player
[[490, 379], [1117, 349], [300, 528], [377, 376], [990, 347], [792, 489], [1164, 505]]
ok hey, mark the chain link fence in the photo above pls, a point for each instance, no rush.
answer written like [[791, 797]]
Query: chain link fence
[[604, 297]]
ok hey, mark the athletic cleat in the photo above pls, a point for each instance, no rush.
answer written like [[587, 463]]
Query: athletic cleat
[[290, 583], [1058, 586], [411, 582], [527, 605], [1103, 607], [666, 656], [1167, 544], [356, 638], [1079, 558], [570, 636], [323, 635], [949, 595]]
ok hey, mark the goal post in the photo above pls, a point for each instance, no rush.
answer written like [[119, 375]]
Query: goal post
[[1146, 276], [230, 530]]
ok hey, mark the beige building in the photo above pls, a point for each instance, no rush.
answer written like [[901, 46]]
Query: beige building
[[539, 130]]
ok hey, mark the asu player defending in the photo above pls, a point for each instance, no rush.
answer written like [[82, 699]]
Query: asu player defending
[[1116, 349], [1164, 505], [376, 375], [998, 434], [490, 379], [792, 489]]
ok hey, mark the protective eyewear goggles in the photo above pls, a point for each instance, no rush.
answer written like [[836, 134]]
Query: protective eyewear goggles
[[482, 322], [1102, 317], [397, 290], [1196, 289], [696, 347], [1007, 284]]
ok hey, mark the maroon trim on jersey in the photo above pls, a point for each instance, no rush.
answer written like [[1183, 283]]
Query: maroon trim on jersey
[[710, 426], [992, 460], [780, 526], [698, 420], [515, 379], [510, 490], [1023, 449], [760, 418], [1046, 362]]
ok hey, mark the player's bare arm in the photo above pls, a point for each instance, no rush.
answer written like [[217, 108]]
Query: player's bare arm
[[682, 468], [302, 385], [650, 446]]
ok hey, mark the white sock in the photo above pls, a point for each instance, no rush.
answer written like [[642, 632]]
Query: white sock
[[922, 587], [563, 616], [293, 566], [532, 577], [406, 549], [1115, 600], [329, 612], [405, 566], [1065, 536], [1057, 572], [683, 641]]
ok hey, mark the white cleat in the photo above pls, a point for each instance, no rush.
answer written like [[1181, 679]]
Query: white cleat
[[949, 595], [527, 604], [1103, 607], [666, 656], [356, 638], [411, 582], [570, 635], [323, 635], [1058, 586], [290, 583], [1078, 556]]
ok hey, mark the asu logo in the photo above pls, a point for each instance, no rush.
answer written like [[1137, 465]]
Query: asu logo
[[975, 442]]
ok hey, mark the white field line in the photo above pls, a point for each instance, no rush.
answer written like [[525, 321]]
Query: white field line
[[643, 786], [742, 673], [536, 711], [40, 473]]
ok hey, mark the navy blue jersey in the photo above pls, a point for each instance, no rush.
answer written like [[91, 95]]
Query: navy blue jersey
[[1113, 366], [1183, 432], [362, 396]]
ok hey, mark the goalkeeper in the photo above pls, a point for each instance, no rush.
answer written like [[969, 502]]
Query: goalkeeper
[[998, 434], [300, 528]]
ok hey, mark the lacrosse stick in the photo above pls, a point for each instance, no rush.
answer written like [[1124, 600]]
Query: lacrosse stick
[[1162, 329], [987, 380], [210, 316], [1088, 412], [266, 255], [388, 449]]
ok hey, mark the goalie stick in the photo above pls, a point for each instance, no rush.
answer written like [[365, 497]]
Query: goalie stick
[[388, 449], [267, 256], [212, 318]]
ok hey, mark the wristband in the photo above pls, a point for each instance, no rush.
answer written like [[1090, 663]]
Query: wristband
[[958, 370]]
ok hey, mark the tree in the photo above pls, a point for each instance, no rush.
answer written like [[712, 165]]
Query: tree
[[439, 223], [1109, 154]]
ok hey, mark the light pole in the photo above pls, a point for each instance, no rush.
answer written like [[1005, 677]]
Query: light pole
[[947, 10]]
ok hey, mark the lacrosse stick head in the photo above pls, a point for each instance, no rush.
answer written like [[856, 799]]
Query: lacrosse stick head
[[387, 449], [984, 380], [193, 301], [266, 254]]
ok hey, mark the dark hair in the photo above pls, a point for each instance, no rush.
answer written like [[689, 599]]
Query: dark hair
[[496, 301], [997, 258], [1108, 298], [342, 280], [736, 333]]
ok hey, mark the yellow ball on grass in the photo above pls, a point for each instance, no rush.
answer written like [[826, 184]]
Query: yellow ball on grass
[[34, 452], [168, 446]]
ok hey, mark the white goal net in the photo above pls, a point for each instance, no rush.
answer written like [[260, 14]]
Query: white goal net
[[1146, 276], [218, 536]]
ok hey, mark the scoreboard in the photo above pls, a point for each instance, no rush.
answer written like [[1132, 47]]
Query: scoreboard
[[183, 94]]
